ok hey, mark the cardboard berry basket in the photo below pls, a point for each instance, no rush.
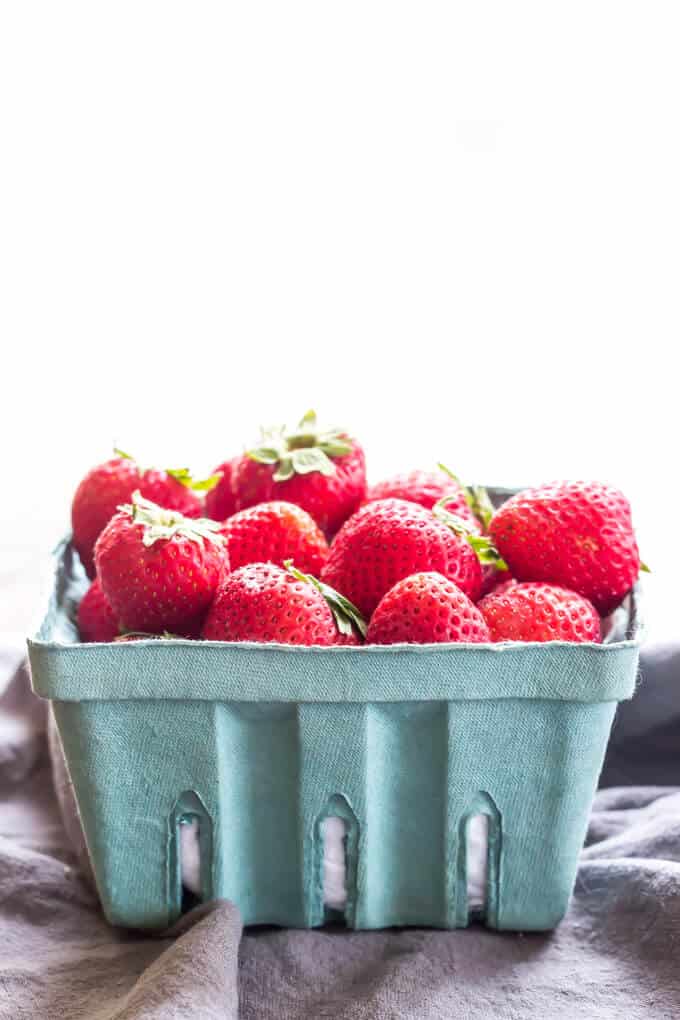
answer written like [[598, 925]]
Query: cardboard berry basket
[[260, 743]]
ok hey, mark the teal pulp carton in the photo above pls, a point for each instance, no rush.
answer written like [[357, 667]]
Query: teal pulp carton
[[260, 743]]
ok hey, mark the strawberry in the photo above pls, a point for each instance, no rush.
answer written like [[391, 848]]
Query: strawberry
[[275, 532], [220, 502], [424, 608], [348, 639], [494, 568], [575, 534], [96, 619], [321, 470], [540, 612], [112, 483], [493, 578], [425, 488], [263, 602], [159, 569], [390, 539]]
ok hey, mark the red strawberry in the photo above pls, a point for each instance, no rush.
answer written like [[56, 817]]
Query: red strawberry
[[348, 639], [424, 608], [425, 488], [576, 534], [273, 533], [321, 470], [493, 578], [262, 602], [105, 487], [159, 569], [96, 619], [220, 502], [390, 539], [540, 612]]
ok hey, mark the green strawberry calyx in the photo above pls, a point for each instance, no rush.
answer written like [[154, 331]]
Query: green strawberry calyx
[[487, 554], [476, 497], [159, 523], [302, 450], [346, 615], [181, 475], [185, 478]]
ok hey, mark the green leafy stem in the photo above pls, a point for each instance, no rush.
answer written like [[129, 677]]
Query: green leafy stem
[[181, 475], [486, 551], [302, 450], [346, 615], [159, 523]]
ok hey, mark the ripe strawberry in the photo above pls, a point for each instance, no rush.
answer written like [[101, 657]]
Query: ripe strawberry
[[159, 569], [540, 612], [263, 602], [273, 533], [575, 534], [348, 639], [425, 488], [108, 485], [424, 608], [493, 578], [321, 470], [390, 539], [220, 502], [96, 619]]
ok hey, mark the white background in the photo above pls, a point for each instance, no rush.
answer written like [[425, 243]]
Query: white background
[[454, 228]]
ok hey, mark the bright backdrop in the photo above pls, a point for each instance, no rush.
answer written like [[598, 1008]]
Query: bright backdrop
[[453, 227]]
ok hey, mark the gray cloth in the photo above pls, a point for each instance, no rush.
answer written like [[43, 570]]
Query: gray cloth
[[617, 955], [644, 749]]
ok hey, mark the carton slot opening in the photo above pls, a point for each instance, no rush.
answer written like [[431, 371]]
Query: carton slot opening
[[189, 830], [479, 858], [477, 865], [336, 848], [190, 853], [334, 867]]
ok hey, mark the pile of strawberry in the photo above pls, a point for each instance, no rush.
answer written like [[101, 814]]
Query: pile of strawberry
[[287, 543]]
